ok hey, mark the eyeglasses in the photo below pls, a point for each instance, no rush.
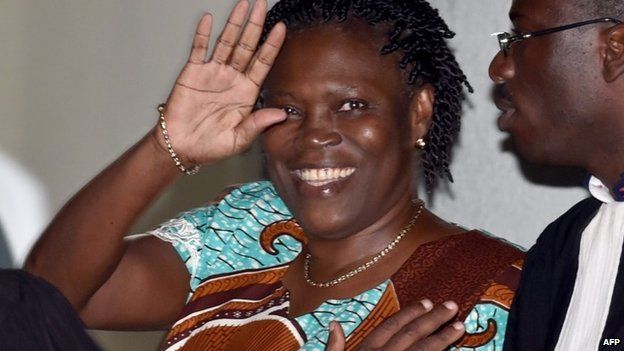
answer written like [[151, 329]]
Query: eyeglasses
[[505, 39]]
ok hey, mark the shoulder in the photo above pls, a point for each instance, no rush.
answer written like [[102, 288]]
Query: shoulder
[[477, 246], [470, 253], [485, 260], [566, 230], [555, 253], [247, 193], [252, 192], [236, 200], [458, 267], [236, 203], [234, 233]]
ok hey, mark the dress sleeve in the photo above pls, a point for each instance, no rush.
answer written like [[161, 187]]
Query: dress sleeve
[[187, 234], [487, 321], [224, 237]]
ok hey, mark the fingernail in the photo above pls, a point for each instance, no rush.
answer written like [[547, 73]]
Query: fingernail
[[427, 304], [458, 326], [450, 305], [332, 327]]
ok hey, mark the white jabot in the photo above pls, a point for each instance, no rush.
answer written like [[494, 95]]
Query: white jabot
[[600, 191], [599, 259]]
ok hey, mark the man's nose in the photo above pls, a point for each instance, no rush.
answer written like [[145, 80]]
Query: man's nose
[[501, 68]]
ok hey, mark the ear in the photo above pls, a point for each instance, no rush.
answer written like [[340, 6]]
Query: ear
[[614, 54], [421, 112]]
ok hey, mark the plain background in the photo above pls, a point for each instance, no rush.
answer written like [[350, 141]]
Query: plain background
[[80, 80]]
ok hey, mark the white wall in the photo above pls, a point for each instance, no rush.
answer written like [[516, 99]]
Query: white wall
[[79, 82]]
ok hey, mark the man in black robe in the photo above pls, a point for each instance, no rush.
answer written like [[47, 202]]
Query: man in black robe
[[560, 86]]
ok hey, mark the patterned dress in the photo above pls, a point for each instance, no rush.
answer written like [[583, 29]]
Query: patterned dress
[[238, 249]]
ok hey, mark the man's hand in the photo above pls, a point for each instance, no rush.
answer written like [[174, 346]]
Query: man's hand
[[412, 328]]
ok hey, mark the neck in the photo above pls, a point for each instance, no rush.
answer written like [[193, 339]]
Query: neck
[[604, 146], [331, 256], [610, 168]]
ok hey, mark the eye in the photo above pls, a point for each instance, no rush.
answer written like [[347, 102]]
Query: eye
[[291, 112], [352, 105], [259, 104]]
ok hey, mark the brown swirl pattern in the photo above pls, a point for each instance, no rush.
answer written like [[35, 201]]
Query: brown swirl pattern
[[479, 339], [274, 230]]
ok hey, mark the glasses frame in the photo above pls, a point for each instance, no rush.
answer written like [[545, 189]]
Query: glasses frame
[[505, 39]]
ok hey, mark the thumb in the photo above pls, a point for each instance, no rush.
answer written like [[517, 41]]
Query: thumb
[[336, 340], [257, 122]]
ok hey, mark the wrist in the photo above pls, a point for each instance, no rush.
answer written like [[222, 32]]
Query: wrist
[[159, 151], [162, 137]]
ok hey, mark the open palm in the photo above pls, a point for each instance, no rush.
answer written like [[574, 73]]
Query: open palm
[[209, 111]]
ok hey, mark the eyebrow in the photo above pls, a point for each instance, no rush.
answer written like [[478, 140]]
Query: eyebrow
[[348, 89], [281, 94], [285, 94]]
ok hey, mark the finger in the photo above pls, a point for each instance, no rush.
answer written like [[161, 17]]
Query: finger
[[441, 340], [248, 42], [384, 332], [423, 326], [255, 124], [263, 60], [201, 39], [230, 33], [336, 340]]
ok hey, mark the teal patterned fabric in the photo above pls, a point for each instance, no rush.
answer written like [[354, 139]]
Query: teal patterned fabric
[[223, 238]]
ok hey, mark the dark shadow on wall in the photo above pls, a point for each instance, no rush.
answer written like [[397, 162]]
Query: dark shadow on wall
[[6, 260]]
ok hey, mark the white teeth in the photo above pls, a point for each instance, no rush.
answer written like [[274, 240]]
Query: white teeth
[[322, 176], [314, 174]]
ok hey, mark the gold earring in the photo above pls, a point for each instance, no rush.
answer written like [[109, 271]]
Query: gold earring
[[420, 143]]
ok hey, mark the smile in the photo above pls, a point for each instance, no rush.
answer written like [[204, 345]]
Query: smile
[[322, 176]]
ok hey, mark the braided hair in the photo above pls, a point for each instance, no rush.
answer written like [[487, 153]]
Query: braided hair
[[419, 34]]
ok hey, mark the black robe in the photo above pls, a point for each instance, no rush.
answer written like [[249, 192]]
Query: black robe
[[547, 282]]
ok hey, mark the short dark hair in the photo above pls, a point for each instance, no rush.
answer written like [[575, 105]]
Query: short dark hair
[[419, 34], [601, 8]]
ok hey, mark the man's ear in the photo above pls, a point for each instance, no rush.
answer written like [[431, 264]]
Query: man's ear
[[614, 54], [421, 112]]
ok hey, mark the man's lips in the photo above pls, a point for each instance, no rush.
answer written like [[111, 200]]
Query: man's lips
[[503, 102], [502, 98], [322, 176]]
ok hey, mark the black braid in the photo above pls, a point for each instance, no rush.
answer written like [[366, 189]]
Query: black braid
[[419, 34]]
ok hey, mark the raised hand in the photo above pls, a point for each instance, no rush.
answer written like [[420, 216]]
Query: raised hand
[[416, 327], [209, 111]]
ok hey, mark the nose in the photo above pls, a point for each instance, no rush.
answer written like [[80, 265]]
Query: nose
[[318, 130], [501, 68]]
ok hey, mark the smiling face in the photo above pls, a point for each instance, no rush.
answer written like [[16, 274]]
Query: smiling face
[[549, 87], [342, 159]]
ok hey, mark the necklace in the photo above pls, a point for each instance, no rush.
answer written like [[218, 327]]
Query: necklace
[[368, 264]]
